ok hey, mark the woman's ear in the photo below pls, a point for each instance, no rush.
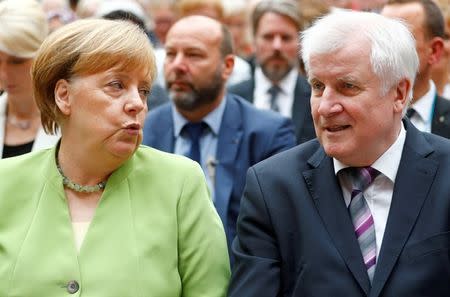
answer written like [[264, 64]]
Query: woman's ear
[[62, 96]]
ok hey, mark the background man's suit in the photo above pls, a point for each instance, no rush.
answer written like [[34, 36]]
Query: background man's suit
[[247, 135], [298, 238], [441, 117], [301, 109]]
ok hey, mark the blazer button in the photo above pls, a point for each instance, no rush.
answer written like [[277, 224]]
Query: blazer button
[[72, 287]]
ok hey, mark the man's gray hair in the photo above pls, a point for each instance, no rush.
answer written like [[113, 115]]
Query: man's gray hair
[[393, 53]]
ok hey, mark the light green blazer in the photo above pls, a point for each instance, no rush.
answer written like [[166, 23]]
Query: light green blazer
[[155, 232]]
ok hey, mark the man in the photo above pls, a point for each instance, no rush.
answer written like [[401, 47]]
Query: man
[[233, 135], [276, 83], [316, 220], [429, 112], [213, 9]]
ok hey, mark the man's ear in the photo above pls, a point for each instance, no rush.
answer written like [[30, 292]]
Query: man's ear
[[437, 49], [228, 65], [62, 96], [402, 93]]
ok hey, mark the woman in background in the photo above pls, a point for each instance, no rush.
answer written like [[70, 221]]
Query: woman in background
[[23, 27], [98, 214]]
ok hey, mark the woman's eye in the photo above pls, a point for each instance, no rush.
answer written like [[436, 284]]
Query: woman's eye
[[116, 84], [144, 92]]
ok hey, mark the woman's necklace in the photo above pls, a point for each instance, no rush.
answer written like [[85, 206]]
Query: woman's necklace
[[77, 187], [21, 124]]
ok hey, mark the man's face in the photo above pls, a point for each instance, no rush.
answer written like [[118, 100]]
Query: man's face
[[414, 16], [354, 121], [276, 45], [193, 68]]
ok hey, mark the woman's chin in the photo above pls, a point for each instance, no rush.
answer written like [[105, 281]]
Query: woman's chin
[[124, 150]]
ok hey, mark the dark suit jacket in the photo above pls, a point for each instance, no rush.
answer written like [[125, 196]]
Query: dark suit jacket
[[246, 136], [295, 236], [441, 118], [301, 109]]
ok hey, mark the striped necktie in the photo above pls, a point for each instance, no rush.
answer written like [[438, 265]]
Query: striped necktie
[[362, 219]]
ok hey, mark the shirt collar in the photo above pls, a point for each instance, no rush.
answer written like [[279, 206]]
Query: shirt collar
[[388, 162], [424, 106], [212, 119], [287, 84]]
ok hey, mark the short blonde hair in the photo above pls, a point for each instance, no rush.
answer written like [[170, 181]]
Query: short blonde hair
[[86, 47], [23, 27]]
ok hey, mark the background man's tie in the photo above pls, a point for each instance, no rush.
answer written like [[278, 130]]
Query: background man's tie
[[362, 219], [273, 91], [195, 131]]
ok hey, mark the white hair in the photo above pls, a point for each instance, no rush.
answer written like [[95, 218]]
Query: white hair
[[23, 27], [393, 53]]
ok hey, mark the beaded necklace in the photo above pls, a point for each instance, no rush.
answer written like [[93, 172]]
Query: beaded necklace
[[77, 187]]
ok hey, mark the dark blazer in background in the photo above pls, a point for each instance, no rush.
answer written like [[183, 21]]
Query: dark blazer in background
[[295, 236], [441, 118], [301, 109], [247, 135]]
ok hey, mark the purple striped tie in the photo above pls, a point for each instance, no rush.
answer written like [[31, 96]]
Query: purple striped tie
[[361, 216]]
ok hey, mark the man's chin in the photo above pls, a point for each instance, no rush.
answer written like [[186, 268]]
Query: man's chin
[[275, 72], [183, 101]]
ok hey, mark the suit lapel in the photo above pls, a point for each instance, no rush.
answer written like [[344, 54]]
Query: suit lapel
[[440, 124], [230, 136], [414, 179], [324, 187]]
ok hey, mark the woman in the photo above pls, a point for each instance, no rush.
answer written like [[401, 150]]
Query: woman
[[99, 215], [23, 28]]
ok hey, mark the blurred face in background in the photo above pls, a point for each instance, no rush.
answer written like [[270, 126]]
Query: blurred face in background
[[163, 17], [441, 70], [276, 45], [194, 68], [15, 75]]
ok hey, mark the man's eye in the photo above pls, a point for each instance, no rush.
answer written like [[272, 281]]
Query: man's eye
[[349, 86], [317, 86]]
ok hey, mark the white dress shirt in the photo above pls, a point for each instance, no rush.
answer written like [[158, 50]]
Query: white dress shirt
[[424, 108], [285, 98], [378, 194]]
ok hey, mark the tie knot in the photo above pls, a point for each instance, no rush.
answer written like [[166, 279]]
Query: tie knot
[[194, 130], [274, 90], [410, 112], [362, 177]]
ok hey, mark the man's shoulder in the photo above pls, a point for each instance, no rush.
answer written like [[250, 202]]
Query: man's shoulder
[[302, 88], [442, 105], [296, 158], [253, 116], [243, 88], [157, 113]]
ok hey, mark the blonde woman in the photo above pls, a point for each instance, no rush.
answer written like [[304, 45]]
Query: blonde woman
[[23, 28], [98, 214]]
